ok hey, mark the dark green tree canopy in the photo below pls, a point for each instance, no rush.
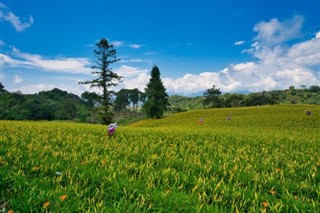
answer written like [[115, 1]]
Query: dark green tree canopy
[[127, 98], [46, 105], [90, 98], [2, 88], [157, 98], [212, 98], [122, 100]]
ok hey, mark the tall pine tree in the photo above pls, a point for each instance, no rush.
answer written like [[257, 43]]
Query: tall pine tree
[[105, 56], [157, 98]]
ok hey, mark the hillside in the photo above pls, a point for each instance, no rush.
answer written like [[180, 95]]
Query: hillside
[[265, 159], [285, 122], [271, 116]]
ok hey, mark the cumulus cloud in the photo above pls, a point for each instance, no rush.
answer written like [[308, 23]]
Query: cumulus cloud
[[77, 89], [274, 67], [275, 32], [20, 24], [65, 65], [140, 81], [35, 88], [128, 71], [277, 66]]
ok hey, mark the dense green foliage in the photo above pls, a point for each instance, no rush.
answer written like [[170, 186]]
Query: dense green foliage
[[156, 96], [212, 97], [47, 105], [265, 159], [128, 99], [61, 105], [292, 95], [180, 103]]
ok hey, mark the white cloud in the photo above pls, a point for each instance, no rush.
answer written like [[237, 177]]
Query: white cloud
[[17, 79], [117, 43], [247, 67], [65, 65], [34, 88], [135, 46], [139, 81], [74, 88], [275, 32], [7, 15], [129, 72], [277, 67], [238, 43]]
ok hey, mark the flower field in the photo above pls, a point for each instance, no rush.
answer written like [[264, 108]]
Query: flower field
[[265, 159]]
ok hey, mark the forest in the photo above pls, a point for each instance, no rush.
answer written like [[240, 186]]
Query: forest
[[61, 105]]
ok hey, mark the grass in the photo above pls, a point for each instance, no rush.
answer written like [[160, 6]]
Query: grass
[[266, 159]]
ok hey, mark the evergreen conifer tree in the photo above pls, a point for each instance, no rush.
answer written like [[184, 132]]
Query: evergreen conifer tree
[[157, 98], [105, 56]]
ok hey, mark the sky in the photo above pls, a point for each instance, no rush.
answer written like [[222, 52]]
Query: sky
[[240, 46]]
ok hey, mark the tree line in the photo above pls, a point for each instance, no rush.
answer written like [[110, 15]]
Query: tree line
[[213, 98], [61, 105]]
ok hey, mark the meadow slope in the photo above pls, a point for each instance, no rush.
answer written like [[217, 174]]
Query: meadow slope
[[265, 159]]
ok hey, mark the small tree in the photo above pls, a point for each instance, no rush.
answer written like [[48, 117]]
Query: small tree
[[105, 56], [2, 88], [92, 99], [135, 96], [212, 97], [122, 100], [157, 98]]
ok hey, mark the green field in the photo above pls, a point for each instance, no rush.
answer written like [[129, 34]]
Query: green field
[[265, 159]]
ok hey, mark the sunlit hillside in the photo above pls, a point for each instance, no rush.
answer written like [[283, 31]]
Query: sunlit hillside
[[258, 120], [264, 159]]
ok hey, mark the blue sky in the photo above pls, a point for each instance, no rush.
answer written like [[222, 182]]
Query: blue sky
[[237, 46]]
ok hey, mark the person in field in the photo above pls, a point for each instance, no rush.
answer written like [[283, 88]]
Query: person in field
[[229, 118], [308, 112], [112, 129], [201, 121]]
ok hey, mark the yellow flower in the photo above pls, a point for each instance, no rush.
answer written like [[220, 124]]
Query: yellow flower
[[46, 204], [10, 211], [63, 197], [278, 170], [265, 204], [272, 191], [35, 168]]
